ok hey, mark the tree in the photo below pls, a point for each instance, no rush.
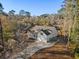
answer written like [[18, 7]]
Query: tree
[[24, 13], [1, 8], [44, 15], [61, 11], [69, 17], [21, 12], [27, 14], [76, 22], [72, 14], [74, 29], [12, 12]]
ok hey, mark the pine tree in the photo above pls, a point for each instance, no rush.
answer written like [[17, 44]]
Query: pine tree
[[75, 30], [68, 16], [1, 8]]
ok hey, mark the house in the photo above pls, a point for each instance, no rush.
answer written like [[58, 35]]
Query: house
[[42, 33]]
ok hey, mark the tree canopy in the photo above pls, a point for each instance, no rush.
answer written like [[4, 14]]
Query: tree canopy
[[1, 8]]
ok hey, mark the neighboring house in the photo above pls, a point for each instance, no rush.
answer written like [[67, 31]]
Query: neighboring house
[[42, 33]]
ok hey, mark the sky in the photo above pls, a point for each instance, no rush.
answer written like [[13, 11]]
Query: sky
[[35, 7]]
